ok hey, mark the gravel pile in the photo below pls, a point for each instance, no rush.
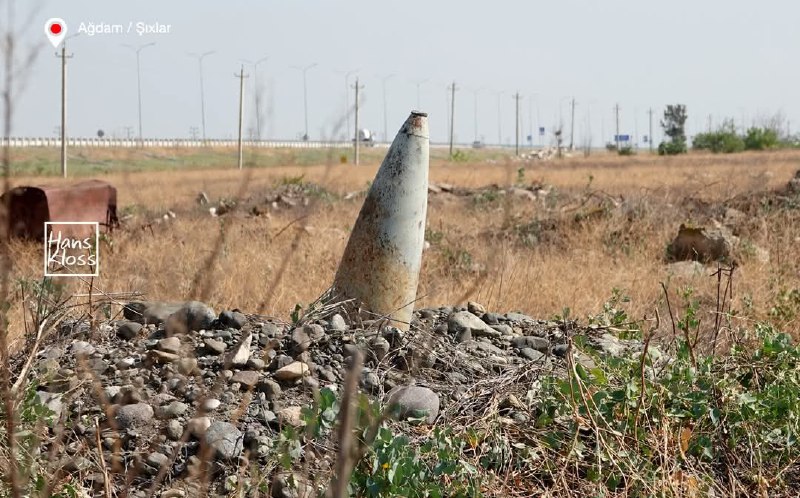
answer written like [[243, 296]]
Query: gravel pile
[[181, 395]]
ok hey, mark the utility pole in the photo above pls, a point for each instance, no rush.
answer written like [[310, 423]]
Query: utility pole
[[305, 95], [257, 95], [499, 121], [516, 133], [358, 137], [475, 108], [241, 77], [200, 58], [572, 127], [452, 115], [650, 130], [616, 137], [530, 119], [419, 83], [139, 84], [347, 75], [385, 122], [64, 58]]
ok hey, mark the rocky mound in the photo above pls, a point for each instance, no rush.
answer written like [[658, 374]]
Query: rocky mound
[[179, 398]]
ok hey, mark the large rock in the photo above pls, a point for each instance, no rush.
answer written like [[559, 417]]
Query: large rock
[[240, 353], [292, 371], [413, 401], [687, 269], [246, 378], [225, 439], [128, 330], [701, 244], [232, 319], [134, 415], [529, 341], [464, 322], [147, 312], [52, 401], [170, 345], [192, 316]]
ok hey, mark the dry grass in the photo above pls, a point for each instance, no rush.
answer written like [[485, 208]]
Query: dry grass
[[475, 254]]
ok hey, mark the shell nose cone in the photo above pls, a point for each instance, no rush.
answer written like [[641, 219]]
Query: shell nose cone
[[382, 260], [416, 125]]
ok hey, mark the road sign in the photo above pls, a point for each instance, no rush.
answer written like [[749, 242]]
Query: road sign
[[541, 131], [622, 138]]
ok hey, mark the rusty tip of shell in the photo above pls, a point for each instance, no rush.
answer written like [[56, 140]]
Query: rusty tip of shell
[[419, 113]]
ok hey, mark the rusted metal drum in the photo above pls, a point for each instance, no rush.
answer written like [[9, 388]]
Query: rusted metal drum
[[25, 209]]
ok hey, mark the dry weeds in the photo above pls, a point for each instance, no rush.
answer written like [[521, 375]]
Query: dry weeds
[[475, 250]]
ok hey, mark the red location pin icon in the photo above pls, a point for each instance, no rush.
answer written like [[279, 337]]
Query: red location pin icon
[[56, 30]]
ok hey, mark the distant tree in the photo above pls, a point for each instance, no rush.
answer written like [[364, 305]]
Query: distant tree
[[761, 138], [724, 139], [674, 125]]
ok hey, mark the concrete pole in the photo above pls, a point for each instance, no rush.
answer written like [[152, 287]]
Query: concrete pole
[[452, 115], [419, 84], [200, 58], [572, 127], [475, 108], [650, 131], [305, 104], [305, 94], [616, 137], [241, 77], [138, 51], [347, 97], [499, 121], [516, 130], [385, 110], [256, 95], [64, 110], [357, 139], [64, 58]]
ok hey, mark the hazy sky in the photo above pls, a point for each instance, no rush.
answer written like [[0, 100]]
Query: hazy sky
[[723, 58]]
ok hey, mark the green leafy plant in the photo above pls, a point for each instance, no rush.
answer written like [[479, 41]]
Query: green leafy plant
[[761, 138], [390, 464], [459, 156], [724, 139]]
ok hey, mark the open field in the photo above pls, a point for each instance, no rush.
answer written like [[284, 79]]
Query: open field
[[569, 397], [604, 223]]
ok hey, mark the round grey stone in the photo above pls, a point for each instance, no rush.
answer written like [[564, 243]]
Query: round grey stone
[[413, 401], [133, 415], [225, 439]]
